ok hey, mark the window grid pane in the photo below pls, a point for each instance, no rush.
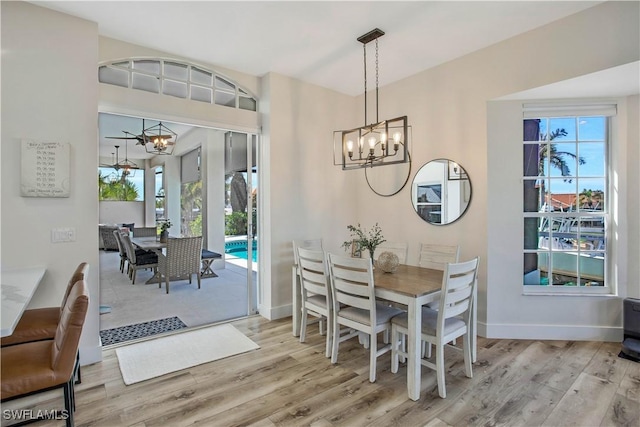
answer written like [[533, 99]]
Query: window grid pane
[[564, 175], [176, 79]]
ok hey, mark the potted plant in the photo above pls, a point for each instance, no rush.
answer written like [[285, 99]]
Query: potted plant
[[165, 225], [364, 239]]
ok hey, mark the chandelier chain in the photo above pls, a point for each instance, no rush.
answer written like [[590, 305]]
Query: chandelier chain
[[377, 119], [364, 46]]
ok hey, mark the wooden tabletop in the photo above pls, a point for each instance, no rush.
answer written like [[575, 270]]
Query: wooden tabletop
[[409, 280]]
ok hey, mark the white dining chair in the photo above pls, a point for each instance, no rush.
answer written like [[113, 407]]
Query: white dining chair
[[316, 293], [312, 244], [450, 321], [355, 306], [437, 256], [398, 248]]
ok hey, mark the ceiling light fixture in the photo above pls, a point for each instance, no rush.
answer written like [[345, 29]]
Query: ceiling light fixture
[[381, 143], [159, 139], [124, 168]]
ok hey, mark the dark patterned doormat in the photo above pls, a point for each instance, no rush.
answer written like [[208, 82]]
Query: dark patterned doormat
[[140, 330]]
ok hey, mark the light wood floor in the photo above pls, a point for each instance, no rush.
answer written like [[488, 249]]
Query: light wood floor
[[515, 382]]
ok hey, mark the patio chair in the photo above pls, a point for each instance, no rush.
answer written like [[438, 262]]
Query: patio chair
[[138, 260], [181, 260], [145, 232]]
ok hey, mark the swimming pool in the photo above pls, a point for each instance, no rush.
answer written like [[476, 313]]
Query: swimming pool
[[238, 248]]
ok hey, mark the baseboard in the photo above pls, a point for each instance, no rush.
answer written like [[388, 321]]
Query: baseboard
[[274, 313], [550, 332]]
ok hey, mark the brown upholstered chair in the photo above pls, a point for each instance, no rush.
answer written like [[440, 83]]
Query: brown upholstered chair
[[41, 366], [41, 323]]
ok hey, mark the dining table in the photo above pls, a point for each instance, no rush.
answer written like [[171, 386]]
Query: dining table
[[412, 287], [18, 287], [150, 243]]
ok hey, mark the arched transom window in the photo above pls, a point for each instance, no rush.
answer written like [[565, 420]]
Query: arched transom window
[[173, 78]]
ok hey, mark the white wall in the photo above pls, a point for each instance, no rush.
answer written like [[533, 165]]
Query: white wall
[[116, 212], [447, 108], [49, 93], [308, 197]]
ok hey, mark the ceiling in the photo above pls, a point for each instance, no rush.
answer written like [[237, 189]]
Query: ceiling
[[313, 41]]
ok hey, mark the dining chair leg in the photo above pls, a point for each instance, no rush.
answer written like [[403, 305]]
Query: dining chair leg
[[373, 356], [303, 325], [442, 391], [329, 340], [336, 341], [69, 403], [395, 343], [198, 278], [466, 348]]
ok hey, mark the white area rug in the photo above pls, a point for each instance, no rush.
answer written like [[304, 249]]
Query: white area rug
[[153, 358]]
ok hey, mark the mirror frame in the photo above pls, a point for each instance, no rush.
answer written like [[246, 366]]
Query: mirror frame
[[463, 175], [401, 187]]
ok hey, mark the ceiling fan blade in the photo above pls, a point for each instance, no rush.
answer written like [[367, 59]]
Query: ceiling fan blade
[[120, 137]]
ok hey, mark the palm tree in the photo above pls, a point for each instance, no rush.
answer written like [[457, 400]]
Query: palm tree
[[122, 189], [556, 158]]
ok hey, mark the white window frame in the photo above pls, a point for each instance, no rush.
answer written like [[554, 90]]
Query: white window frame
[[532, 111], [128, 66]]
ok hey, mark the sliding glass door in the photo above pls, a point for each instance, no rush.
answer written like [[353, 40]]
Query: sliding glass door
[[241, 230]]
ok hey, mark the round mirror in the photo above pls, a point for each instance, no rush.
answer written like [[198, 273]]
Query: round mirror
[[441, 192], [388, 180]]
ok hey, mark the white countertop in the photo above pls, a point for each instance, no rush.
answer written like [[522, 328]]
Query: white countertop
[[18, 287]]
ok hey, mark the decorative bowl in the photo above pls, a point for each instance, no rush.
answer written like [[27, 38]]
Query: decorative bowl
[[388, 262]]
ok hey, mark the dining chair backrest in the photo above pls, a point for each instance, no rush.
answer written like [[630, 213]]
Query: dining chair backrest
[[67, 338], [314, 244], [458, 286], [128, 247], [313, 273], [437, 256], [398, 248], [81, 273], [183, 256], [145, 232], [352, 284]]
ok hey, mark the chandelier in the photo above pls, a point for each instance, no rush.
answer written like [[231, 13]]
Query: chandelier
[[381, 143], [159, 139]]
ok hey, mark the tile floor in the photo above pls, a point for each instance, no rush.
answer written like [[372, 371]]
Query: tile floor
[[220, 298]]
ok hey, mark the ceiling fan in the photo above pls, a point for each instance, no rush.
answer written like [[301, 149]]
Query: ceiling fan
[[126, 165], [160, 138]]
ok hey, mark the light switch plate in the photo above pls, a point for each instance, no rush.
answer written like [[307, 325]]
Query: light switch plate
[[61, 235]]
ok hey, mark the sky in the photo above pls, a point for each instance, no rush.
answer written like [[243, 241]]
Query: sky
[[591, 131]]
